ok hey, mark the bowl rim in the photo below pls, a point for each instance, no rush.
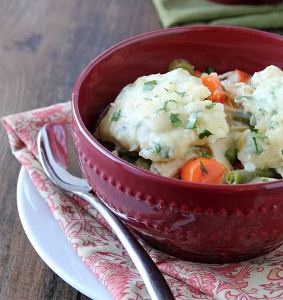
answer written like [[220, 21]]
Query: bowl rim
[[155, 177]]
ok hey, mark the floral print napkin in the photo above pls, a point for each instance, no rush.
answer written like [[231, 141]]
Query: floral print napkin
[[99, 249]]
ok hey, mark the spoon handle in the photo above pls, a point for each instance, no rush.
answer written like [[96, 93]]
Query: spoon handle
[[154, 281]]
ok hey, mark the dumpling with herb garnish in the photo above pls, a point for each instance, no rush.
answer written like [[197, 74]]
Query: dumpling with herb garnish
[[161, 116]]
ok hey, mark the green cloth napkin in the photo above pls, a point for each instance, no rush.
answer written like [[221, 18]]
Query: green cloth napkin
[[203, 12]]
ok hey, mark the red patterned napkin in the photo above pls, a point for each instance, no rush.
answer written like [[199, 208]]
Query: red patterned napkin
[[100, 250]]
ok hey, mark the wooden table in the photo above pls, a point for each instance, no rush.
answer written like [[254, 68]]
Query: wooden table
[[44, 46]]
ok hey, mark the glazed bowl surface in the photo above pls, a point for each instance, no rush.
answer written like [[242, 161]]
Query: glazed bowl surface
[[198, 222]]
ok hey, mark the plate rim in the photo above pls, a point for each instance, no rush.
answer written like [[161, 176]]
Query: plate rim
[[90, 289]]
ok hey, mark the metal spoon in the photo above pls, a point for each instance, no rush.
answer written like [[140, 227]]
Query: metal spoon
[[59, 159]]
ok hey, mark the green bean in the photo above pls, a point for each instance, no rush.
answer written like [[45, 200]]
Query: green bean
[[181, 63], [136, 160], [143, 163], [242, 117], [231, 154], [209, 70], [243, 176]]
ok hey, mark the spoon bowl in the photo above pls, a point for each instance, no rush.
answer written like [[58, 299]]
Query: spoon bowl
[[59, 160]]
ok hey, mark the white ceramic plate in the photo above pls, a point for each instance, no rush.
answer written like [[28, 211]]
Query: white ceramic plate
[[50, 243]]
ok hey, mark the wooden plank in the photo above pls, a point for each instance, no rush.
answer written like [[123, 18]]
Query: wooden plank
[[44, 45]]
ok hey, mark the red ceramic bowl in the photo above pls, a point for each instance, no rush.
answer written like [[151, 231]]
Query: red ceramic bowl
[[199, 222]]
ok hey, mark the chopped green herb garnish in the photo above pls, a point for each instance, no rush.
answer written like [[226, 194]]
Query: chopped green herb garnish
[[209, 70], [261, 136], [166, 89], [204, 171], [147, 99], [164, 107], [265, 180], [272, 124], [156, 148], [205, 154], [182, 94], [164, 153], [242, 98], [192, 122], [175, 120], [226, 97], [209, 106], [204, 134], [282, 152], [255, 130], [149, 86], [116, 116], [257, 150]]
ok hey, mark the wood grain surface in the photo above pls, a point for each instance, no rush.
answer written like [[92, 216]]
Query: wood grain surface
[[44, 45]]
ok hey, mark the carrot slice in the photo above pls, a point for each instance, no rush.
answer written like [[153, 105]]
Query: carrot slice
[[203, 170], [217, 92]]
